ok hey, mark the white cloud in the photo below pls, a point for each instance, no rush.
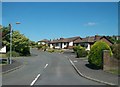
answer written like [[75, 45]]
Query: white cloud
[[90, 24]]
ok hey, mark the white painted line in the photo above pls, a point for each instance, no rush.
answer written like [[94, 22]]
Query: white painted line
[[75, 60], [45, 66], [33, 82]]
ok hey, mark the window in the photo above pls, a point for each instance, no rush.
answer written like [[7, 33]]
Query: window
[[57, 44]]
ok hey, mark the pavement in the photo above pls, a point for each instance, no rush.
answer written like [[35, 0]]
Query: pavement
[[83, 68], [11, 67]]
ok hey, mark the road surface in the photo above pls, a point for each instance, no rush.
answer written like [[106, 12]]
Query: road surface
[[45, 69]]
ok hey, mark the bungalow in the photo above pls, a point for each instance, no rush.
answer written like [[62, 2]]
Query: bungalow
[[43, 42], [89, 41], [63, 43]]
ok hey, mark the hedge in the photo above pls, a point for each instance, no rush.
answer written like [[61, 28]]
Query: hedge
[[95, 56], [14, 54], [80, 51]]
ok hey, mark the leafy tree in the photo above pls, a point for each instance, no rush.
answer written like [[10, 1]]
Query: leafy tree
[[116, 51], [32, 43], [20, 43], [96, 53], [6, 37]]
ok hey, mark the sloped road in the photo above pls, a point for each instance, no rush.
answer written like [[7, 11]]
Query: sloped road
[[45, 69]]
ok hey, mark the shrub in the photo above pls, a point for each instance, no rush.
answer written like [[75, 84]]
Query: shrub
[[26, 51], [50, 50], [39, 47], [14, 54], [80, 51], [75, 48], [59, 50], [95, 56], [116, 51]]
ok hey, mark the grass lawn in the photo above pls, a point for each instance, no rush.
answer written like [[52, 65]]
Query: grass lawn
[[114, 71], [3, 56], [55, 50]]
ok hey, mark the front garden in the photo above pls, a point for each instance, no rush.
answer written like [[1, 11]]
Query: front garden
[[95, 55]]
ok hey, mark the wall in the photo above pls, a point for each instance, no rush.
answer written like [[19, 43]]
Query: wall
[[71, 43], [3, 50], [41, 43], [109, 62], [51, 46], [58, 46], [64, 45], [88, 46]]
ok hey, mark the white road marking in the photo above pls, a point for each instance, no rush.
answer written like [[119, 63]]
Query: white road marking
[[45, 66], [33, 82], [75, 60]]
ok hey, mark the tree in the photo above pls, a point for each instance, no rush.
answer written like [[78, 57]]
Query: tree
[[20, 43], [6, 37], [32, 43], [116, 51]]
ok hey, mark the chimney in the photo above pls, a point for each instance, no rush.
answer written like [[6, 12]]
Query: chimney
[[96, 36], [61, 38]]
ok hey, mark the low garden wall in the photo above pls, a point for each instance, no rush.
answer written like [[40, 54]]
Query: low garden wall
[[109, 62]]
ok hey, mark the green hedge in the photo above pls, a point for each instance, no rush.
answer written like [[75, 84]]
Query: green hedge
[[50, 50], [95, 56], [80, 51], [116, 51], [14, 54]]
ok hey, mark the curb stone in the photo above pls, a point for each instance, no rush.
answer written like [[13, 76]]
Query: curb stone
[[107, 83], [12, 69]]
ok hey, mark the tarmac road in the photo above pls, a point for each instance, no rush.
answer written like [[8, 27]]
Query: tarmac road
[[45, 69]]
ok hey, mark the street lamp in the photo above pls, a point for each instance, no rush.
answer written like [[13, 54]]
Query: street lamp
[[10, 58]]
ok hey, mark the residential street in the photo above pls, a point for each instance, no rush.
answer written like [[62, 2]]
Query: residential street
[[45, 68]]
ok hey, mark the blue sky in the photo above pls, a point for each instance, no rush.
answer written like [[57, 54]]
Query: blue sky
[[49, 20]]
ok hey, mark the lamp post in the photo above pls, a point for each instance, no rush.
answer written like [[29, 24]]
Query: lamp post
[[10, 58]]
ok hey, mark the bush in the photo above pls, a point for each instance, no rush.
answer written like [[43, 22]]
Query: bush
[[95, 56], [58, 50], [14, 54], [50, 50], [75, 48], [39, 47], [116, 51], [80, 51], [26, 51]]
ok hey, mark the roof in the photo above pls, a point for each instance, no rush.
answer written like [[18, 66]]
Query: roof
[[91, 39], [65, 39], [44, 40], [78, 40]]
